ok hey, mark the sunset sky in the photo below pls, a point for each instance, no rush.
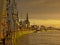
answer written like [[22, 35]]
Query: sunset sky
[[46, 12]]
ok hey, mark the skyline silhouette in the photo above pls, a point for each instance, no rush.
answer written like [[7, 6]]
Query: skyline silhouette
[[45, 12]]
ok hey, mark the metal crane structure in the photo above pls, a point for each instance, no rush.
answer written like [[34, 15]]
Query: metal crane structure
[[9, 21]]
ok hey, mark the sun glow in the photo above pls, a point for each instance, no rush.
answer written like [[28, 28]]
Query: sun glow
[[55, 23]]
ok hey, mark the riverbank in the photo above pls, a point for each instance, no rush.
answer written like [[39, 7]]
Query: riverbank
[[19, 34]]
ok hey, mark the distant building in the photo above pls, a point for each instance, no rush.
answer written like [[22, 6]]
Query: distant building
[[34, 27], [25, 23], [42, 27]]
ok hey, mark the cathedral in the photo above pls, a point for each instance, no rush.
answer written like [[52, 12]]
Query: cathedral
[[25, 24]]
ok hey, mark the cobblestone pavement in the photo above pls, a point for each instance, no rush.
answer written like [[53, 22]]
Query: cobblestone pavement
[[42, 38]]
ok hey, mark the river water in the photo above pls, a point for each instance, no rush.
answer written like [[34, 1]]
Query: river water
[[40, 38]]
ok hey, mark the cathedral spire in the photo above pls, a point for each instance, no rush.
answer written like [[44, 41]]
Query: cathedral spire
[[27, 17], [21, 17]]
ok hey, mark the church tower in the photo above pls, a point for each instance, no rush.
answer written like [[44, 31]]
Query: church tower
[[21, 22], [27, 23]]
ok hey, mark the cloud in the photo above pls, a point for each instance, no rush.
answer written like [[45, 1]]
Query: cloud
[[34, 3], [40, 9]]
